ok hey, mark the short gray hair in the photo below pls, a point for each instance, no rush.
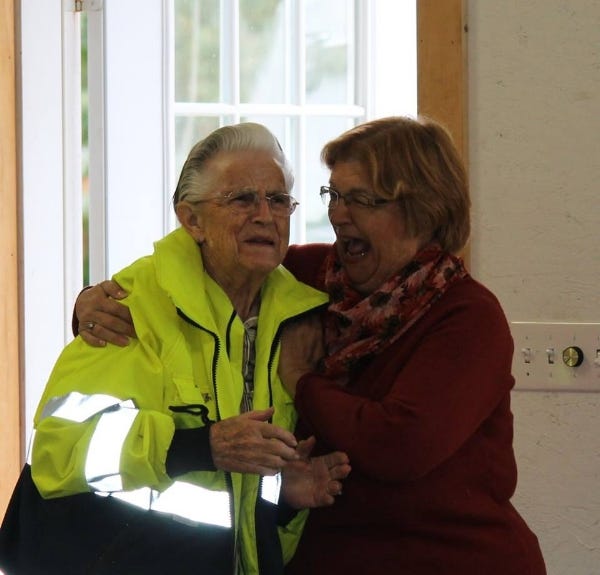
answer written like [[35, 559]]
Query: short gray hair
[[236, 138]]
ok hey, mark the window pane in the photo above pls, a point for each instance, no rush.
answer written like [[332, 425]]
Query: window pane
[[188, 131], [262, 51], [294, 75], [277, 125], [318, 132], [330, 45], [197, 52]]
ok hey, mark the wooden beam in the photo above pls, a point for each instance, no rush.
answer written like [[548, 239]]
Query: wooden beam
[[442, 69], [10, 410]]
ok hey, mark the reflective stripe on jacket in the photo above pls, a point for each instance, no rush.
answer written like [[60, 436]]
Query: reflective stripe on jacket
[[104, 422]]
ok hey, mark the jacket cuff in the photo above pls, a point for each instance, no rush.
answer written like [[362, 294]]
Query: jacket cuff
[[190, 451], [285, 512]]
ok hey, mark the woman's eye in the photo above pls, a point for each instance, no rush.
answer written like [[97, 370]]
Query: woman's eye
[[280, 199], [245, 199], [362, 199]]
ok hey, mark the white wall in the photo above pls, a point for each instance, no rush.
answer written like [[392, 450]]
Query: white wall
[[534, 140]]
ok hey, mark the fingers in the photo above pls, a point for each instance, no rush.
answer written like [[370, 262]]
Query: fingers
[[338, 464], [340, 471], [86, 301], [113, 289], [257, 463], [114, 322], [111, 335], [270, 431], [112, 309], [305, 447], [86, 333], [259, 414], [334, 488], [103, 319], [287, 438], [101, 327], [248, 444], [336, 458]]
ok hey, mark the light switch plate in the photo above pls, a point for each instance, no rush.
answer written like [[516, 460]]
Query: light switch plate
[[538, 359]]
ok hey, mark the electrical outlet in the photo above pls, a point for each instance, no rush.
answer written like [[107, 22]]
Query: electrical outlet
[[556, 356]]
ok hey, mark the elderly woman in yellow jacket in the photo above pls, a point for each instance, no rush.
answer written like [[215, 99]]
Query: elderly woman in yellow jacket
[[190, 423]]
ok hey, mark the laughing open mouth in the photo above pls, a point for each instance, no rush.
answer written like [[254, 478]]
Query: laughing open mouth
[[355, 247]]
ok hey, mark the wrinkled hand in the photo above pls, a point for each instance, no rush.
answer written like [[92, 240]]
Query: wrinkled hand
[[246, 443], [302, 348], [314, 481], [101, 317]]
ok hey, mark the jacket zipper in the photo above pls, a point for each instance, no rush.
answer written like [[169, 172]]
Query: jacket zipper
[[227, 474]]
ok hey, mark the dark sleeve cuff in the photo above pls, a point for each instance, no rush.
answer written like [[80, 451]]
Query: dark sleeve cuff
[[190, 451], [285, 513]]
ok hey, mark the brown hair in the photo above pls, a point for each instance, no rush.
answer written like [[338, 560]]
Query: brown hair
[[413, 161]]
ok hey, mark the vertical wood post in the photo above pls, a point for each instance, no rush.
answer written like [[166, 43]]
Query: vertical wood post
[[10, 410], [442, 68]]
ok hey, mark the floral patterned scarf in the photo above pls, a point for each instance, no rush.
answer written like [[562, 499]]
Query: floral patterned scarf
[[358, 326]]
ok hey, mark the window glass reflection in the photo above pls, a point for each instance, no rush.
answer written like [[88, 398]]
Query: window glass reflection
[[319, 131], [262, 51], [197, 50], [188, 131], [329, 52]]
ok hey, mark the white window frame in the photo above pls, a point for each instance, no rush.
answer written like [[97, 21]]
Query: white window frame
[[131, 167], [50, 236], [379, 92]]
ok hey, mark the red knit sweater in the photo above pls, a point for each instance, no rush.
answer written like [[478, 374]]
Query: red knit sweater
[[428, 429]]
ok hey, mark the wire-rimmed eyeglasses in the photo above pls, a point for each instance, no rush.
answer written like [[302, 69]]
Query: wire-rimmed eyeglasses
[[247, 202], [331, 198]]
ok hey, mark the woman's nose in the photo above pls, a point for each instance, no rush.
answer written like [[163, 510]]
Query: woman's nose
[[262, 210], [340, 214]]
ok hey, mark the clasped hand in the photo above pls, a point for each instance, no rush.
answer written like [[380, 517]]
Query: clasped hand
[[247, 443], [314, 481]]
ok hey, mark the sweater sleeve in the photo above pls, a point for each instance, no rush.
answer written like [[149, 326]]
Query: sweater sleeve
[[306, 263], [443, 384]]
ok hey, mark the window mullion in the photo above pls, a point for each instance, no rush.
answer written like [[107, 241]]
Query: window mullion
[[230, 55], [216, 109], [72, 160], [97, 243], [299, 35], [361, 55], [168, 13]]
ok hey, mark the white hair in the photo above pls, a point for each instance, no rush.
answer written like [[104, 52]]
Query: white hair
[[236, 138]]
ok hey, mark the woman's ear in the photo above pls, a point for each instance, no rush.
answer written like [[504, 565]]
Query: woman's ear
[[191, 220]]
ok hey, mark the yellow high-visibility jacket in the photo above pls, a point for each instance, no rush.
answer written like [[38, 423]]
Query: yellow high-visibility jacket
[[106, 419]]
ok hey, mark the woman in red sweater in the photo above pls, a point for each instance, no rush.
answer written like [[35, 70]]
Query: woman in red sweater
[[415, 384]]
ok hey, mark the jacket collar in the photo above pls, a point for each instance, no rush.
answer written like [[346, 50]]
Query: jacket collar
[[180, 272]]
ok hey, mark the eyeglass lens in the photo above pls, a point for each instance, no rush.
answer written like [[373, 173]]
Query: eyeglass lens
[[281, 204]]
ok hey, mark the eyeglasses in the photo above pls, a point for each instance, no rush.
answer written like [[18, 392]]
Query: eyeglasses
[[331, 198], [280, 203]]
